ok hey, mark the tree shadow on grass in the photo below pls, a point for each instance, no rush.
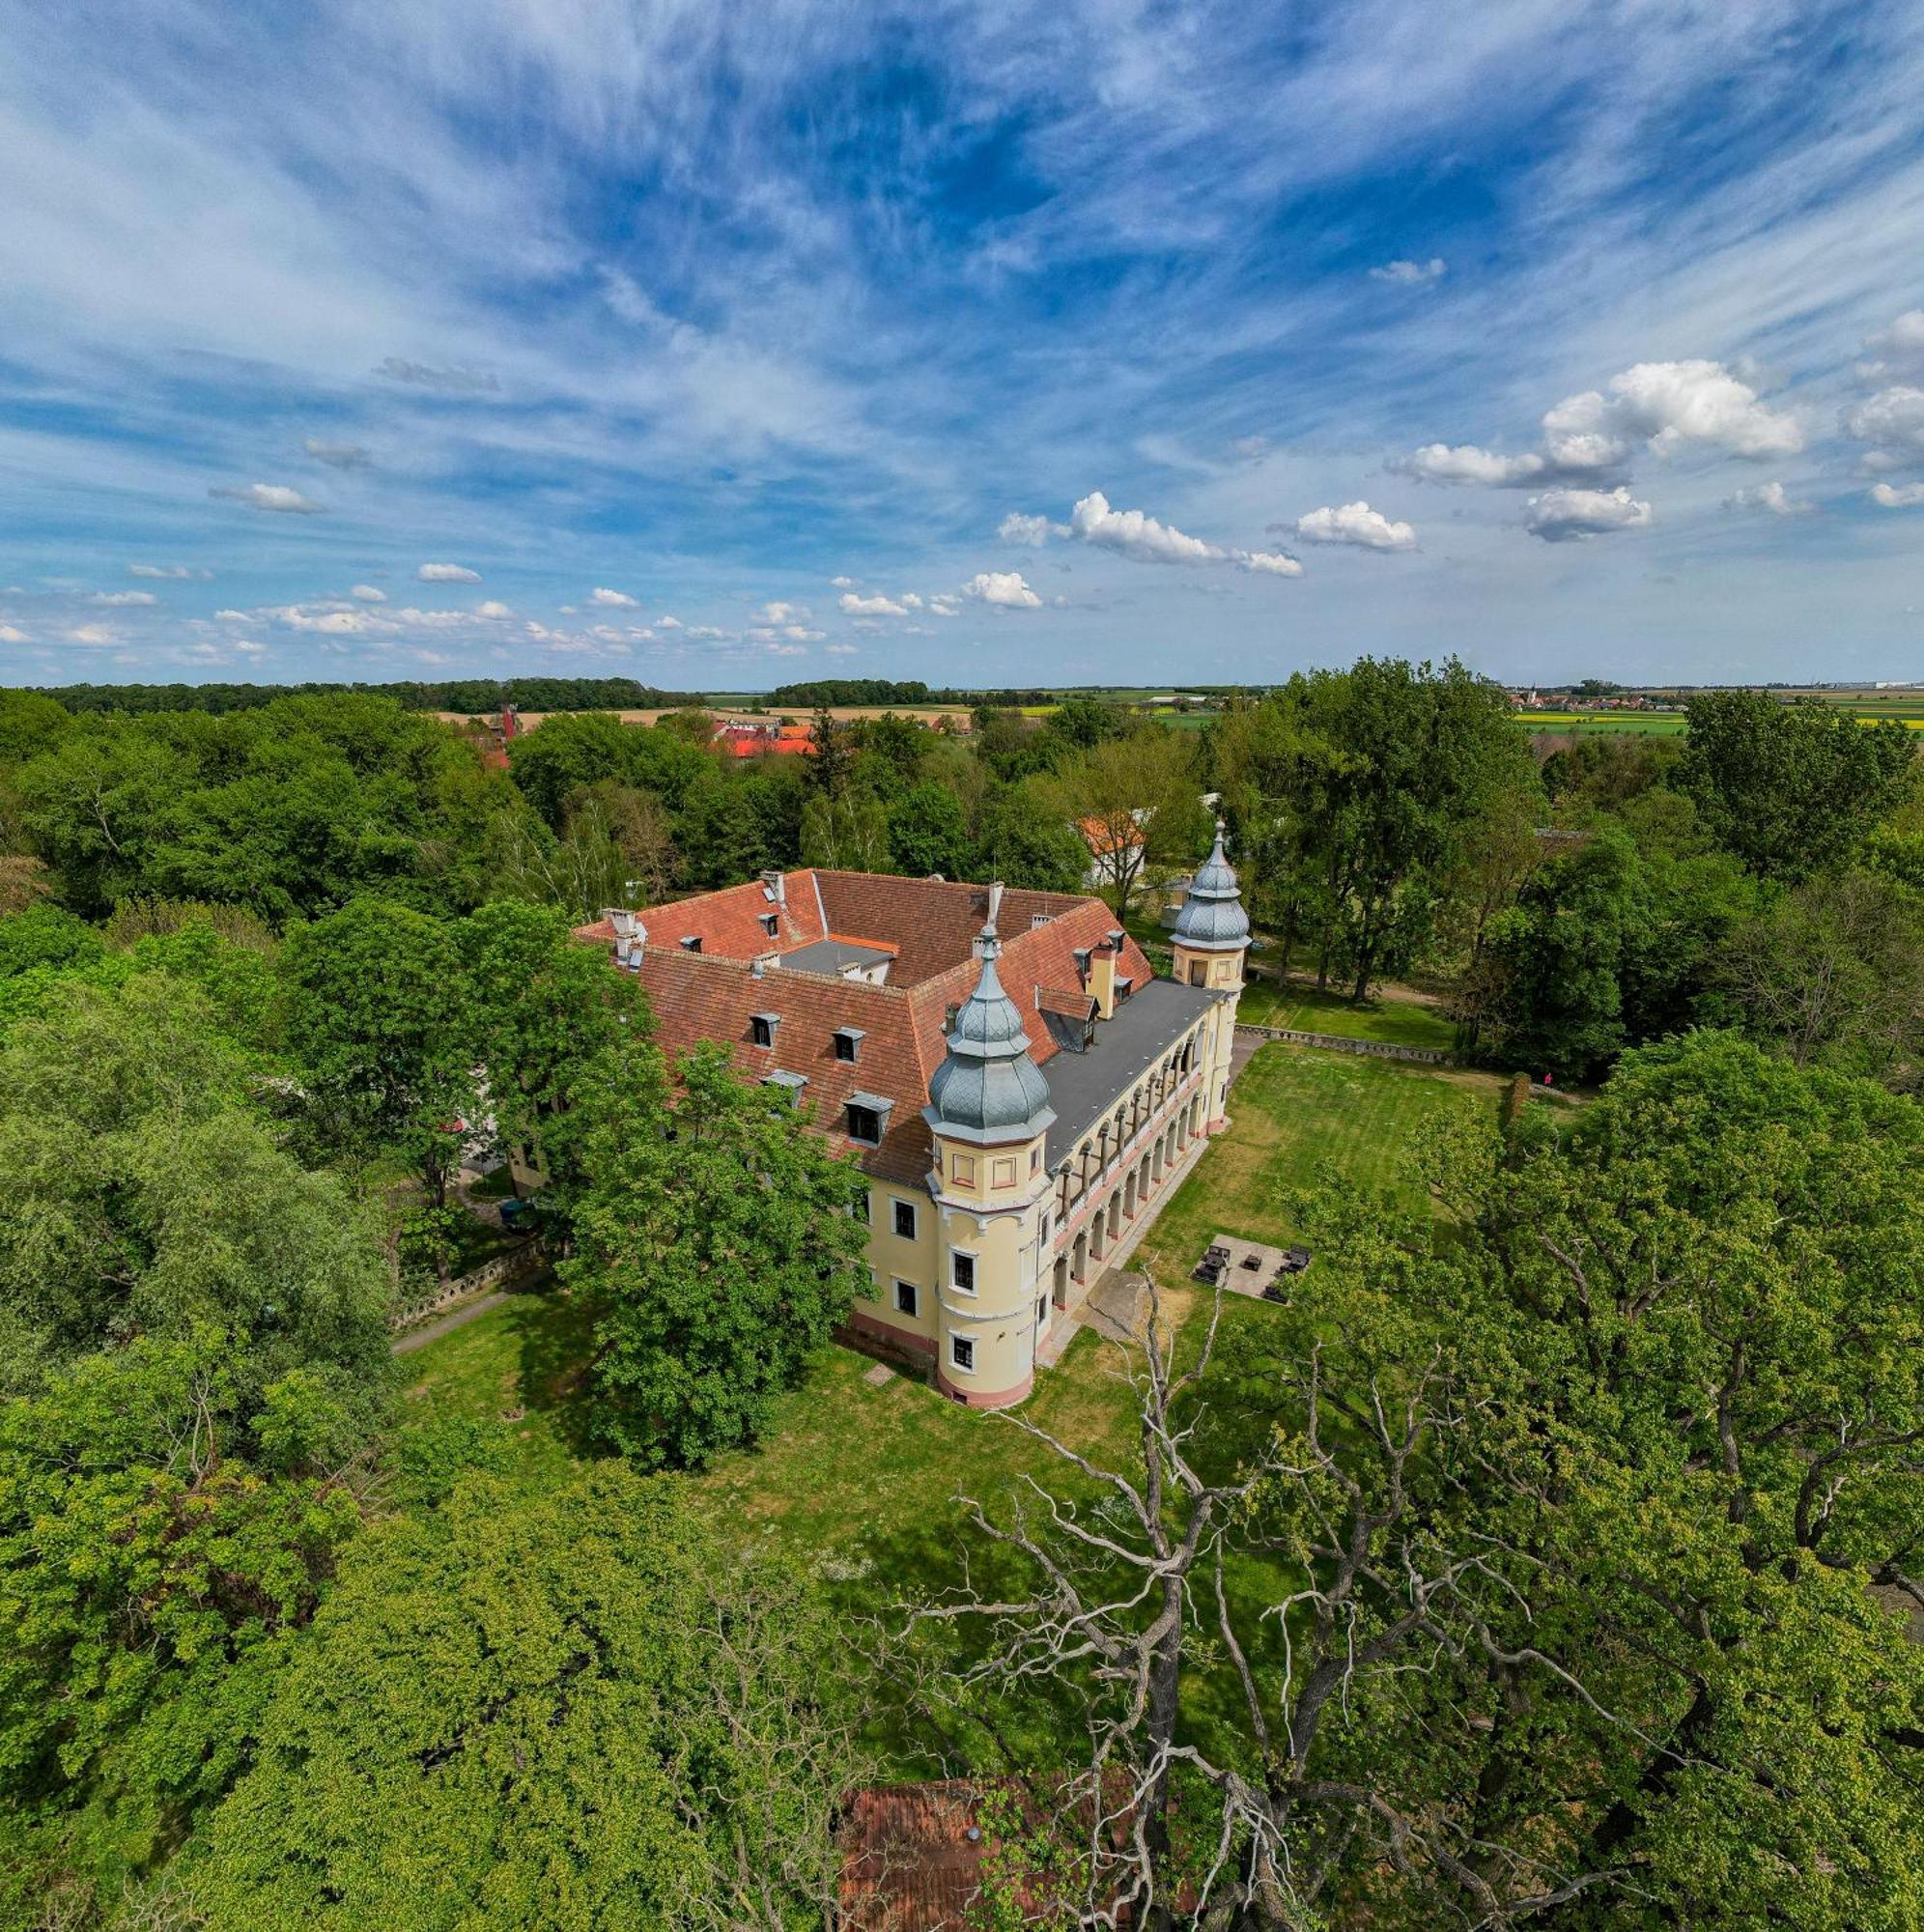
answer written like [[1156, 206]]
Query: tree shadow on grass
[[555, 1331]]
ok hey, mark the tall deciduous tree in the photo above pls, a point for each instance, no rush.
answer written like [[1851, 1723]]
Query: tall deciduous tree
[[1833, 971], [161, 1535], [927, 832], [146, 1196], [381, 1016], [1792, 788], [572, 1711], [718, 1244], [1026, 842], [846, 832], [556, 1027], [1137, 802]]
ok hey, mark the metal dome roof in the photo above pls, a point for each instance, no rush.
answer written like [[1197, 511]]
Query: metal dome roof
[[1212, 918], [987, 1088]]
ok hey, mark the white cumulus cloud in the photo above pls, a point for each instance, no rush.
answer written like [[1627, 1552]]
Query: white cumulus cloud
[[1897, 496], [268, 497], [1898, 349], [1674, 404], [368, 593], [447, 572], [1468, 463], [1772, 499], [1893, 421], [785, 613], [490, 608], [1269, 562], [12, 634], [877, 606], [1411, 275], [1003, 588], [113, 598], [1563, 516], [843, 582], [1018, 527], [619, 600], [1355, 524], [1133, 533], [1665, 407]]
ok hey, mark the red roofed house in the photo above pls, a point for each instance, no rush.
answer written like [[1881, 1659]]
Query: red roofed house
[[1004, 1068]]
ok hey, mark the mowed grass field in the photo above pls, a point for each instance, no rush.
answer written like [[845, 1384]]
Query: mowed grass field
[[1303, 1009]]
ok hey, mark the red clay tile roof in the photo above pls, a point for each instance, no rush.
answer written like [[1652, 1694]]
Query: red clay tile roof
[[908, 1863], [711, 994]]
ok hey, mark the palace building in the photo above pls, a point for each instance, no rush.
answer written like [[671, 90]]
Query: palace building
[[1017, 1085]]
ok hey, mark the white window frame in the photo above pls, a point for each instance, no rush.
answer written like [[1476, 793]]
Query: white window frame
[[914, 1310], [902, 1207], [969, 1255], [956, 1343]]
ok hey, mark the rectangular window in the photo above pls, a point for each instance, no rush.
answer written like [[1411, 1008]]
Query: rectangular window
[[962, 1271], [769, 923], [861, 1205], [761, 1029], [848, 1044], [1005, 1172], [905, 1219], [864, 1124], [874, 1286], [1199, 973], [1036, 1159], [962, 1353], [905, 1297], [693, 945], [962, 1169]]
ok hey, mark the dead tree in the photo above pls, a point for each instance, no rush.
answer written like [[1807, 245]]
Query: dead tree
[[1381, 1582]]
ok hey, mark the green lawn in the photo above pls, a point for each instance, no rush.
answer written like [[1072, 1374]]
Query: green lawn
[[1401, 1022], [1293, 1109]]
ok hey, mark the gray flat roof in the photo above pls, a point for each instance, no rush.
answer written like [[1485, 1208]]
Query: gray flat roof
[[833, 957], [1083, 1087]]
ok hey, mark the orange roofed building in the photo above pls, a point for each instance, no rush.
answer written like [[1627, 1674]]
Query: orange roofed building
[[1006, 1070]]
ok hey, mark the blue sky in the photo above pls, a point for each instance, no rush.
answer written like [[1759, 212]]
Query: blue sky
[[1091, 340]]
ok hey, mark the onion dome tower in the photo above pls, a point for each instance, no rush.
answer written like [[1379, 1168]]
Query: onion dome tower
[[988, 1118], [1212, 918], [1210, 945], [988, 1090]]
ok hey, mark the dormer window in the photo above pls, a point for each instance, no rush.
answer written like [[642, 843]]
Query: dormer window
[[770, 924], [761, 1028], [790, 1083], [692, 943], [1082, 963], [848, 1044], [867, 1117]]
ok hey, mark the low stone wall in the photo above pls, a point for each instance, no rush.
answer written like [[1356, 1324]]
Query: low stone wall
[[1374, 1049], [434, 1298]]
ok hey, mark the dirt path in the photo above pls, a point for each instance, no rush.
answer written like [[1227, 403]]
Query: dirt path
[[446, 1324]]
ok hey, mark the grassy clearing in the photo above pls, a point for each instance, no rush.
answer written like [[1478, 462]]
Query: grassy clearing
[[1399, 1022], [1294, 1110]]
